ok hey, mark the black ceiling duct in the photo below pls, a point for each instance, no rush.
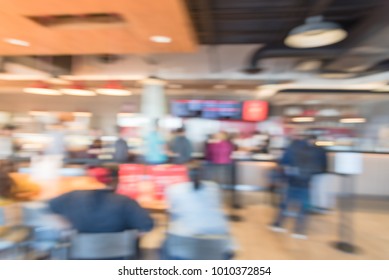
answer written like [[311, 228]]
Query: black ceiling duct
[[283, 51]]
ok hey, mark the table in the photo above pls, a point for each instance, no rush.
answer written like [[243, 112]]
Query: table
[[54, 188]]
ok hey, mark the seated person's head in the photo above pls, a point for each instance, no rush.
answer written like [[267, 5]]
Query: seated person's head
[[180, 131], [105, 176]]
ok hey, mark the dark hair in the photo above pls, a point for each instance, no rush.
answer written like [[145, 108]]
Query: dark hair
[[195, 176], [6, 182], [180, 130]]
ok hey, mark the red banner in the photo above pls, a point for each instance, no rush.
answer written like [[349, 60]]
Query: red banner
[[167, 175], [133, 176], [130, 176]]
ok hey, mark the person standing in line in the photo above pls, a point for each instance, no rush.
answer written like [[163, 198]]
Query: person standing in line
[[180, 147], [121, 154], [219, 155], [300, 163], [155, 147]]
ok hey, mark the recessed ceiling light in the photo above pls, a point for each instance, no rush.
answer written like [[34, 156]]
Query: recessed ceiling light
[[17, 42], [161, 39]]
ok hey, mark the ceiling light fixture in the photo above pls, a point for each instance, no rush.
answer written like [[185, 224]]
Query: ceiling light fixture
[[303, 119], [353, 120], [113, 88], [161, 39], [39, 113], [78, 89], [17, 42], [41, 88], [315, 33], [82, 114], [153, 80]]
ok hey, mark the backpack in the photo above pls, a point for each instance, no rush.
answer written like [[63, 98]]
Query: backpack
[[306, 162]]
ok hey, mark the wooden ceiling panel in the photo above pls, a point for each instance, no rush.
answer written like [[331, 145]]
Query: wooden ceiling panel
[[142, 19]]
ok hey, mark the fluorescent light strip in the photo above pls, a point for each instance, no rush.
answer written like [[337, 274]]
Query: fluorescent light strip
[[113, 92], [325, 143], [353, 120], [78, 92], [39, 113], [42, 91], [303, 119], [82, 114], [125, 114]]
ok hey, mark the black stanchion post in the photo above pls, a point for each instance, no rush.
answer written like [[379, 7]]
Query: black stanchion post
[[346, 207], [235, 201], [347, 165]]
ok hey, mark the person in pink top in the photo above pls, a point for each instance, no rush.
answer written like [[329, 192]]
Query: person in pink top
[[220, 149], [218, 153]]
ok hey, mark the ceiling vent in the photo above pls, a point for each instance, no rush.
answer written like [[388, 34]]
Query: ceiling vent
[[76, 21]]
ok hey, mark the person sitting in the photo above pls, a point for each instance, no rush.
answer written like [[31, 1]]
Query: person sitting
[[98, 211], [195, 210]]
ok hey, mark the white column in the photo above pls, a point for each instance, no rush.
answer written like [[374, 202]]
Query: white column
[[153, 102]]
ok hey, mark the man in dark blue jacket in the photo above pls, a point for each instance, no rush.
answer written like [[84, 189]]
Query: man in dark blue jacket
[[300, 161], [97, 211]]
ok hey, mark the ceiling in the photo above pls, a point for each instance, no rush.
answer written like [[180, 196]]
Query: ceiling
[[231, 35], [333, 99], [269, 21], [139, 21]]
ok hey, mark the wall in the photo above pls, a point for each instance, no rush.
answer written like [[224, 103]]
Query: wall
[[104, 108]]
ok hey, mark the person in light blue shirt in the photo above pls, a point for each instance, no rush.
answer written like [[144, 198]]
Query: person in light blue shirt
[[155, 147]]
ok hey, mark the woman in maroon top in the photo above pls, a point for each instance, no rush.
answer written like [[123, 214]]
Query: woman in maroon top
[[218, 153]]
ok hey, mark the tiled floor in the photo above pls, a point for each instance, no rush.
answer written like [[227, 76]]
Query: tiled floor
[[256, 241]]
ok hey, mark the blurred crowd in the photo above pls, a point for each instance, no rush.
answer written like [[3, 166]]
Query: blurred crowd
[[198, 227]]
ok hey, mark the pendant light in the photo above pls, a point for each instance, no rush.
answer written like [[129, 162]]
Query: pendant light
[[41, 88], [113, 88], [78, 89], [315, 33]]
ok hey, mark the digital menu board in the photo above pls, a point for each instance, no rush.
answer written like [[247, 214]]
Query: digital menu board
[[220, 109]]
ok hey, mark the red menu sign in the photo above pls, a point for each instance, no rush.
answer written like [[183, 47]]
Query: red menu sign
[[130, 176], [255, 110], [134, 178], [167, 175]]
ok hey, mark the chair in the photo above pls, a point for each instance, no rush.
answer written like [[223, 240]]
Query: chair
[[93, 246], [205, 247], [50, 231], [14, 238]]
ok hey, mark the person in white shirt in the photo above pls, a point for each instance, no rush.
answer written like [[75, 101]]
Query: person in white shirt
[[195, 208]]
